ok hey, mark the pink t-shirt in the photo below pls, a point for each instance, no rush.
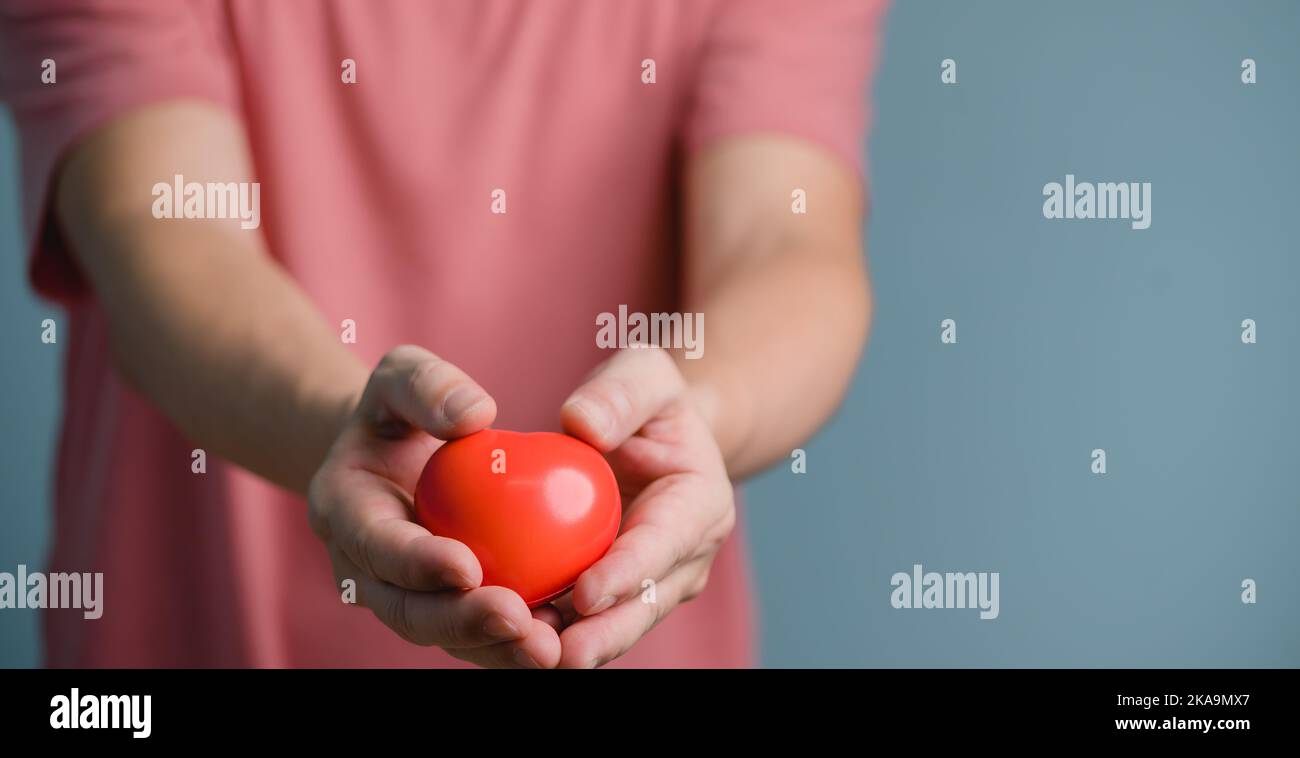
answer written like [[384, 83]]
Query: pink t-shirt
[[376, 198]]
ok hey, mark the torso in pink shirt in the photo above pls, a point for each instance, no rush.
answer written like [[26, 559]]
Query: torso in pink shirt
[[376, 197]]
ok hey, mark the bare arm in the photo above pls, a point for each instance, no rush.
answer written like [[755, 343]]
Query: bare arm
[[206, 326], [786, 296], [786, 306], [202, 321]]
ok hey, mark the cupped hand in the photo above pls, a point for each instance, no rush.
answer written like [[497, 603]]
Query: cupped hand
[[679, 509], [424, 587]]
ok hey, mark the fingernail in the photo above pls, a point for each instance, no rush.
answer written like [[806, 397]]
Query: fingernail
[[456, 580], [461, 401], [500, 627], [600, 605], [522, 658]]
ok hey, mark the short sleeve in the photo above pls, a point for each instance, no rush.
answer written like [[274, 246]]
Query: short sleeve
[[800, 68], [69, 66]]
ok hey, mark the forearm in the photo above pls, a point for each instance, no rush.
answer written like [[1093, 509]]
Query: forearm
[[228, 348], [202, 322], [782, 338], [784, 291]]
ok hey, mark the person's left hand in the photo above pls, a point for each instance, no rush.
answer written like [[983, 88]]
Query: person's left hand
[[678, 505]]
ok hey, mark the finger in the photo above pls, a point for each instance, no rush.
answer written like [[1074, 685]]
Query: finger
[[549, 615], [621, 396], [564, 604], [413, 386], [676, 520], [593, 641], [449, 619], [540, 649], [371, 524]]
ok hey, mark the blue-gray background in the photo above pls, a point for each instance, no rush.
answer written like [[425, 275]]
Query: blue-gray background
[[1072, 335]]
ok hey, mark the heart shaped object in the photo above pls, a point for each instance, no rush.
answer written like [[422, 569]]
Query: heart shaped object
[[536, 509]]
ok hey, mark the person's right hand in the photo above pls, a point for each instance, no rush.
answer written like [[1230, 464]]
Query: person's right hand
[[426, 588]]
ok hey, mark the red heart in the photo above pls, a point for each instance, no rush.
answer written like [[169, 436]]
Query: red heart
[[536, 509]]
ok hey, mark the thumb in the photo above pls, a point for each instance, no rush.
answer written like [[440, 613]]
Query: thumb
[[412, 387], [622, 394]]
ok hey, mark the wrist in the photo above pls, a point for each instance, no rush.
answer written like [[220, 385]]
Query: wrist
[[327, 409], [724, 403]]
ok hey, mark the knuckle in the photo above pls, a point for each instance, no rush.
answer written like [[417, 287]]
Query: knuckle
[[696, 586], [712, 542], [362, 544], [618, 395], [423, 378], [663, 361], [608, 647], [459, 632], [317, 512], [659, 363], [339, 564], [460, 624], [457, 628], [715, 539], [396, 614], [725, 523], [399, 355], [725, 526]]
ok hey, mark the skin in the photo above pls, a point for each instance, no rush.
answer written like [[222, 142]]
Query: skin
[[223, 342]]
